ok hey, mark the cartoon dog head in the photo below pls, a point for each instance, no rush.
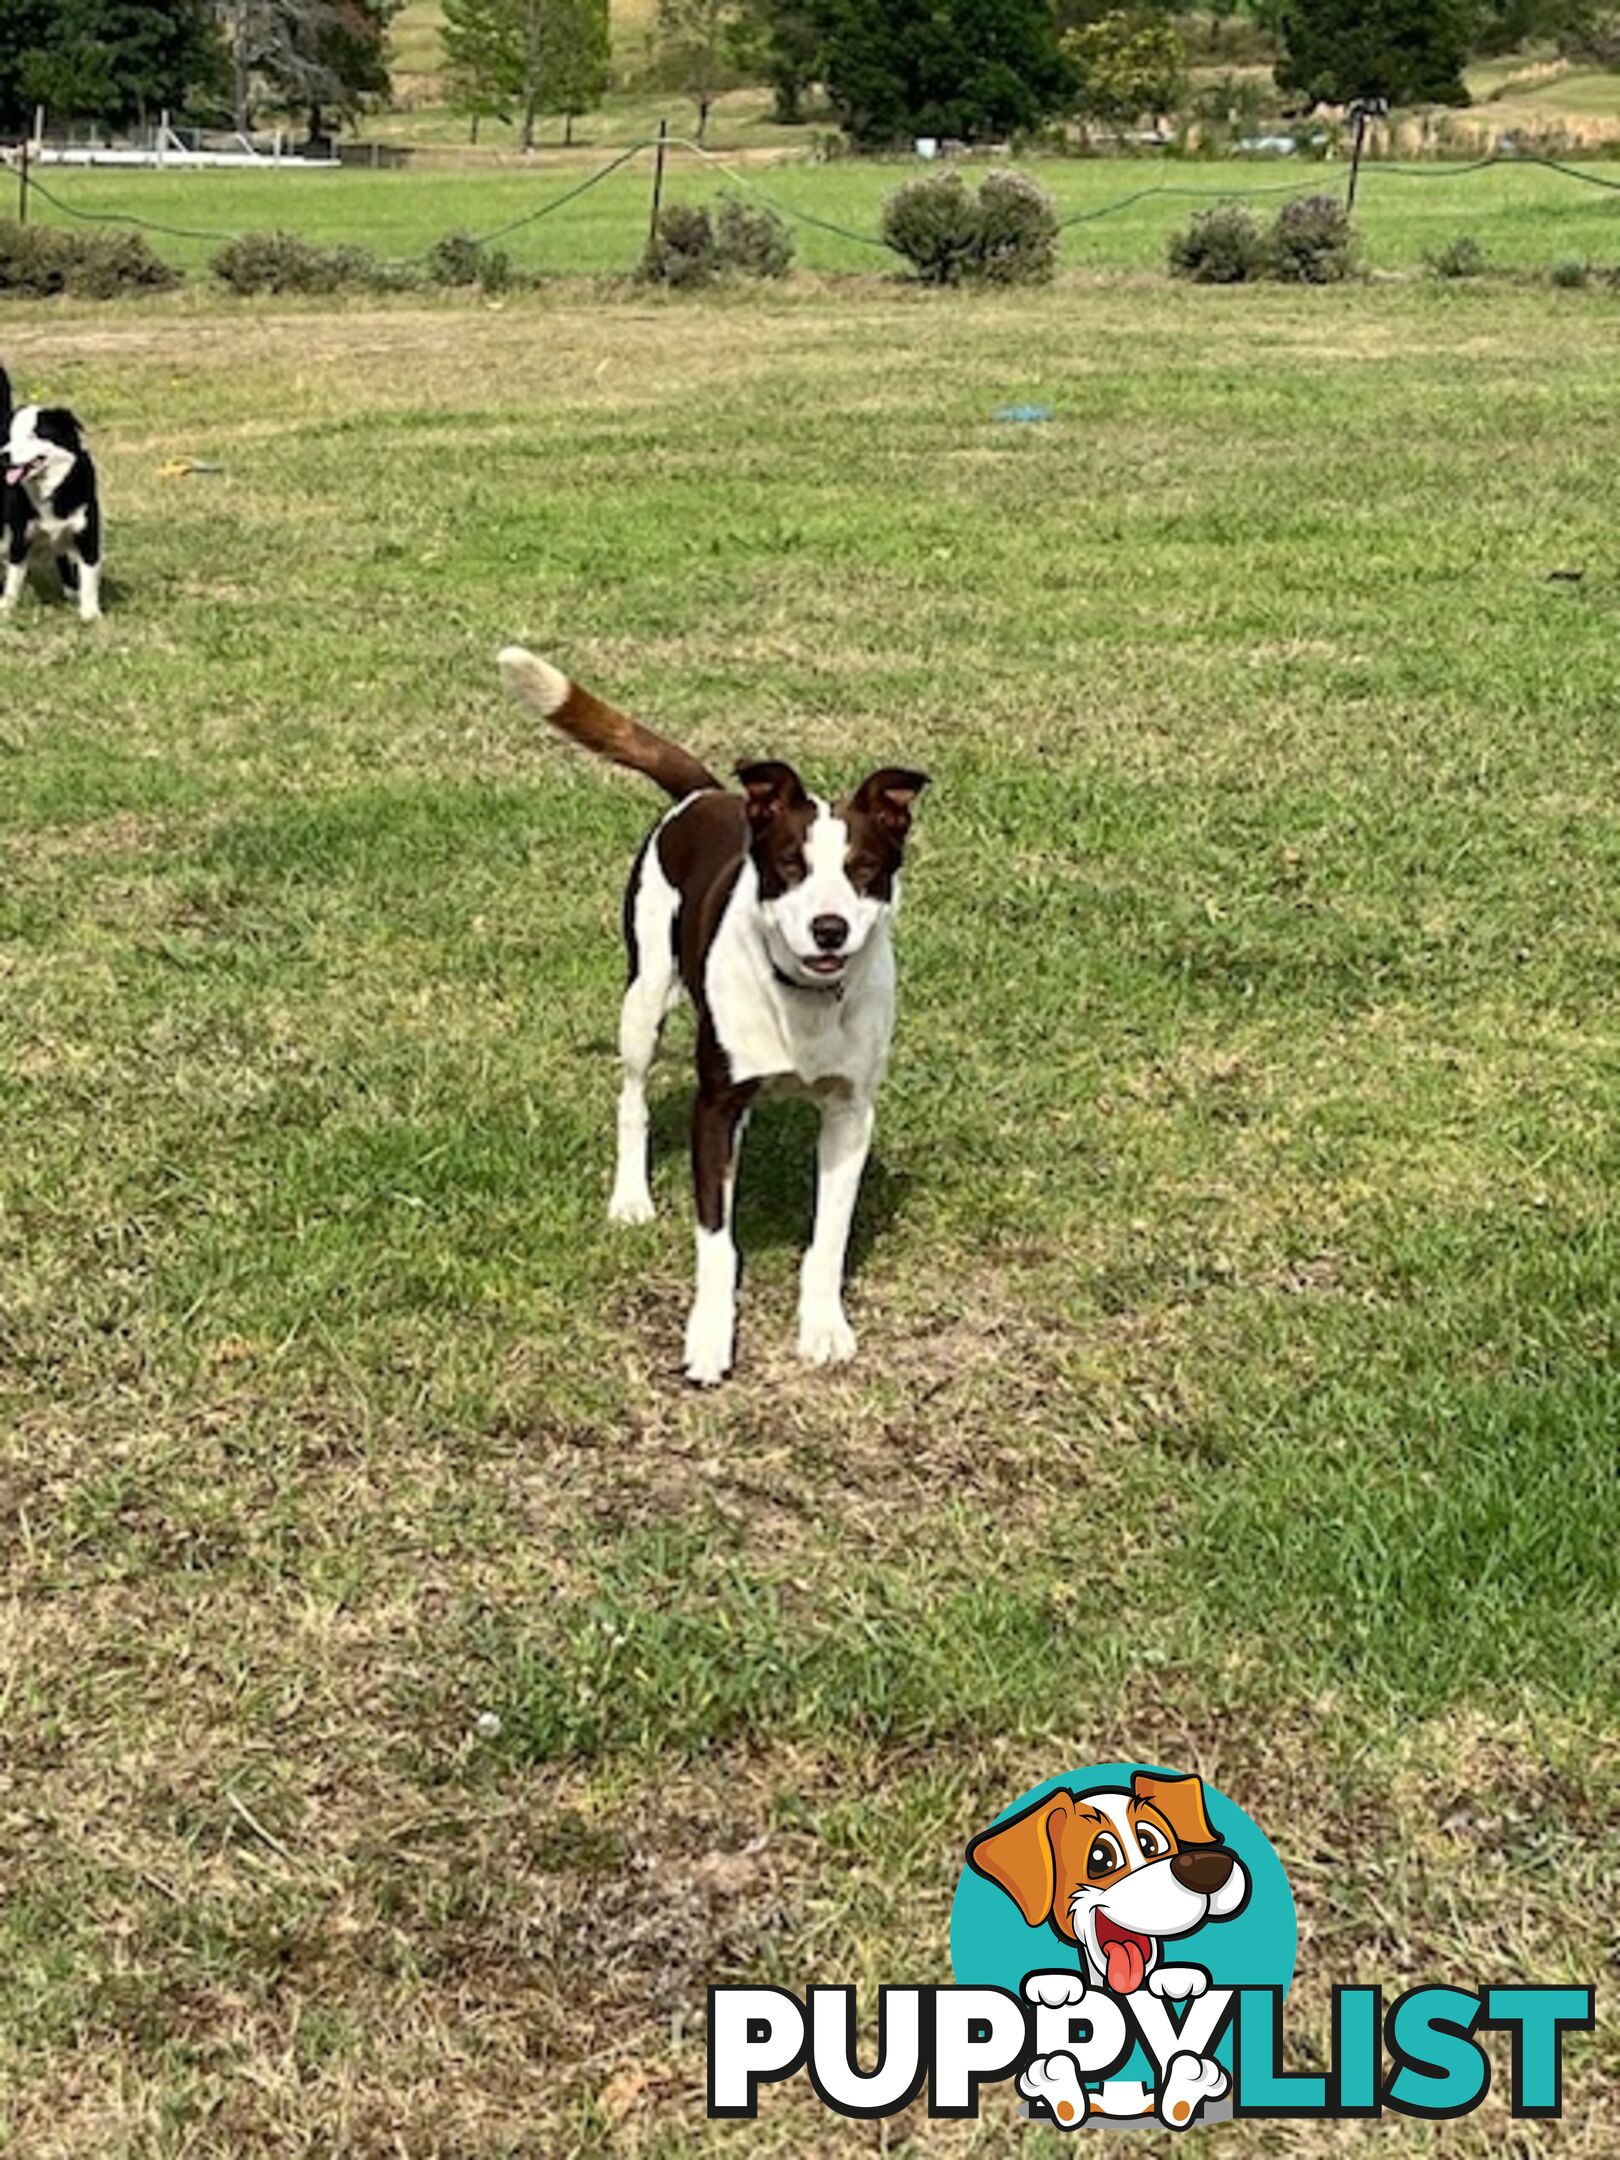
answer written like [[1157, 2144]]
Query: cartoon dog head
[[829, 872], [1116, 1871]]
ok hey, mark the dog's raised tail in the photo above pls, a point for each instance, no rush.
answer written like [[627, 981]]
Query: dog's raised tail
[[597, 726]]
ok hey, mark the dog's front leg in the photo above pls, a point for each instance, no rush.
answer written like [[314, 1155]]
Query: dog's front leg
[[825, 1336], [717, 1125], [16, 579]]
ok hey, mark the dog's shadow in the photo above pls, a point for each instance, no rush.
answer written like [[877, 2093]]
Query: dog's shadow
[[45, 584], [776, 1179]]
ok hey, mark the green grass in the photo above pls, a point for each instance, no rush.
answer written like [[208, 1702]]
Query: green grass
[[413, 1695], [1525, 216]]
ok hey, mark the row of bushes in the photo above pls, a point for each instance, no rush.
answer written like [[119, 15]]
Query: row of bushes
[[42, 261], [691, 247], [1312, 242], [280, 262], [39, 261], [1004, 234], [1308, 242]]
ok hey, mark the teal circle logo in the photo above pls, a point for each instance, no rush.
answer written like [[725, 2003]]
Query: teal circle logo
[[1125, 1874]]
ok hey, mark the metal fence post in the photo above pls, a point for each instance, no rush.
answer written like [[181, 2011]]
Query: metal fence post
[[658, 186]]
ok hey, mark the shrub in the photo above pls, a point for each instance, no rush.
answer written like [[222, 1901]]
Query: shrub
[[281, 262], [39, 260], [1570, 270], [934, 223], [752, 242], [1006, 235], [681, 250], [1017, 231], [1312, 242], [693, 246], [460, 259], [1459, 258], [1223, 246]]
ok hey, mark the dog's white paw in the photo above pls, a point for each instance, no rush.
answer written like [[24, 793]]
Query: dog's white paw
[[1056, 2080], [1178, 1983], [708, 1347], [1055, 1990], [1188, 2083], [633, 1206], [825, 1336]]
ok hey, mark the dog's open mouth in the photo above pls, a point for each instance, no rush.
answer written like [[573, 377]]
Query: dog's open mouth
[[823, 963], [16, 474], [1125, 1954]]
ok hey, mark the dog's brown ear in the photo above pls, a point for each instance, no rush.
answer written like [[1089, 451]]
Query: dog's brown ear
[[1020, 1856], [770, 787], [888, 795], [1180, 1800]]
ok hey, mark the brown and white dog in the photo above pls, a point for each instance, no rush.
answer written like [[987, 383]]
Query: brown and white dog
[[1117, 1872], [772, 909]]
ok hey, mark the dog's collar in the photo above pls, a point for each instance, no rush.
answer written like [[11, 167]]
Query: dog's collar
[[834, 989]]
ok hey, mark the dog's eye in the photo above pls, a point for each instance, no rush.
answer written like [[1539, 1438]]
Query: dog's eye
[[863, 871], [1152, 1844], [792, 865], [1104, 1857]]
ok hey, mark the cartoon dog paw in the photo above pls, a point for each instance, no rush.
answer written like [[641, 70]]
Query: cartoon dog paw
[[1178, 1983], [1055, 2079], [1055, 1990], [1188, 2083]]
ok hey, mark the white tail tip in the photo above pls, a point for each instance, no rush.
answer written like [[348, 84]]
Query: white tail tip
[[534, 680]]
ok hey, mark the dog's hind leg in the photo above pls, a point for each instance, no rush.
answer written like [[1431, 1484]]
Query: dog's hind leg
[[649, 915], [86, 554], [825, 1336]]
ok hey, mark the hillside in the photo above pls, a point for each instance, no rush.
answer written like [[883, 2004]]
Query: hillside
[[1526, 95]]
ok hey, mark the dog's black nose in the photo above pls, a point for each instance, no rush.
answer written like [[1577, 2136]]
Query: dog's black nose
[[829, 931], [1203, 1871]]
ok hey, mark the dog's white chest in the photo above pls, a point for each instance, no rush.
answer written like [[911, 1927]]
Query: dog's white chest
[[772, 1032], [57, 531]]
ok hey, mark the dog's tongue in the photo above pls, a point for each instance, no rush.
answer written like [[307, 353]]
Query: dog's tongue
[[1126, 1965], [13, 474]]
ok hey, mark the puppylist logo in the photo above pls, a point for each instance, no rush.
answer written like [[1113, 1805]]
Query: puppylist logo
[[1123, 1940]]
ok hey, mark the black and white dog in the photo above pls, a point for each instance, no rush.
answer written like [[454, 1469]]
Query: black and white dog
[[50, 496], [772, 909]]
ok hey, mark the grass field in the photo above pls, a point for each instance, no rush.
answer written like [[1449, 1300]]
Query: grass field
[[1526, 216], [413, 1695]]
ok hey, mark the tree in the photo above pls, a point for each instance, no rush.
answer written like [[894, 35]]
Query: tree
[[786, 47], [699, 43], [1408, 51], [1127, 65], [528, 57], [574, 58], [483, 59], [314, 55], [1586, 30], [116, 60], [964, 68]]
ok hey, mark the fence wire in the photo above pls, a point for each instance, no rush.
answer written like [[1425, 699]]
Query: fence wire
[[1162, 189]]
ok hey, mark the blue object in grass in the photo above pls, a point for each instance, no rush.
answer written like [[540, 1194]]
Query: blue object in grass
[[1023, 413]]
